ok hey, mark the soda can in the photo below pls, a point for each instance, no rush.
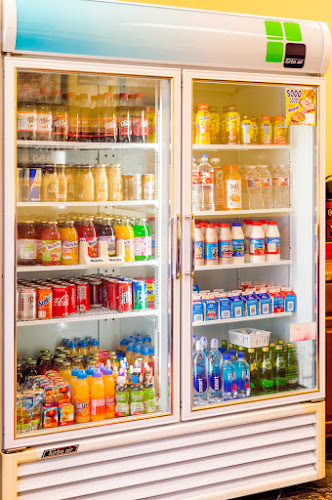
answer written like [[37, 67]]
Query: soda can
[[35, 184], [148, 183], [23, 184], [72, 296], [96, 293], [44, 302], [27, 304], [124, 297], [82, 297], [112, 293], [135, 187], [140, 294], [60, 301], [104, 291]]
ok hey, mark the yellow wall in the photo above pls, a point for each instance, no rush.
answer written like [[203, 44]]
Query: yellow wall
[[319, 10]]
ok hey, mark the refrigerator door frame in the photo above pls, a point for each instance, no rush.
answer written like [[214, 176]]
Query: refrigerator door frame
[[187, 413], [11, 64]]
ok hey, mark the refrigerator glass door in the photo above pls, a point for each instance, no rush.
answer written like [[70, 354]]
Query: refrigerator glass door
[[252, 241], [88, 314]]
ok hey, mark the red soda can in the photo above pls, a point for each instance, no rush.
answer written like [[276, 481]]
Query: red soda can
[[124, 296], [82, 296], [112, 294], [27, 304], [72, 296], [104, 291], [96, 293], [60, 301]]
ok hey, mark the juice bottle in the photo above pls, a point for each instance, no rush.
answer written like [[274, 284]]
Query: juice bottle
[[121, 398], [74, 123], [215, 125], [94, 346], [50, 184], [62, 180], [109, 384], [83, 348], [89, 374], [136, 399], [69, 243], [140, 122], [107, 234], [125, 240], [26, 115], [44, 117], [60, 118], [203, 125], [84, 118], [151, 116], [232, 188], [87, 232], [115, 187], [27, 243], [100, 183], [85, 184], [65, 371], [82, 398], [70, 173], [232, 126], [142, 234], [73, 381], [51, 241], [97, 396]]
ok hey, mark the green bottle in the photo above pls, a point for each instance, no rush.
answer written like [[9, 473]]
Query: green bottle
[[272, 348], [266, 372], [142, 237], [240, 349], [292, 368], [231, 346], [254, 373], [136, 399], [149, 398], [280, 379], [258, 357], [224, 344]]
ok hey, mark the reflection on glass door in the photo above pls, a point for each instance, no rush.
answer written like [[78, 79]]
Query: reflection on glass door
[[92, 196]]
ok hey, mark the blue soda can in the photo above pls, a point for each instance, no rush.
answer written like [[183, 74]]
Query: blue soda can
[[35, 184], [140, 294]]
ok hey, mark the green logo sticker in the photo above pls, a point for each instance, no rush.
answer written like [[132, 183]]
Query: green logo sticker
[[276, 33]]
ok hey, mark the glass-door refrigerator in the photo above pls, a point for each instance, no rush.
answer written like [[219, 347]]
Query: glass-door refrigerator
[[253, 248], [91, 197]]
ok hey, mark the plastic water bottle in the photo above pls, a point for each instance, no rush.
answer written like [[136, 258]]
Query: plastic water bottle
[[242, 376], [254, 186], [244, 169], [194, 344], [204, 344], [215, 360], [281, 186], [207, 183], [196, 193], [229, 387], [200, 376], [267, 188]]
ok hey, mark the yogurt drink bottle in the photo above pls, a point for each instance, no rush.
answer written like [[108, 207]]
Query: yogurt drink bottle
[[238, 243], [225, 245], [199, 246], [257, 244], [211, 246], [272, 242], [247, 233], [264, 225]]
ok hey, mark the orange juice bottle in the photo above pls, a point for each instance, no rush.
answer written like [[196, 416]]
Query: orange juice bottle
[[109, 384], [124, 234], [83, 348], [203, 125], [65, 370], [89, 374], [97, 397], [232, 188], [69, 243], [82, 398], [73, 381]]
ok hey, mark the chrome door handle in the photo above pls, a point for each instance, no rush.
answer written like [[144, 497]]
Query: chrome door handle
[[179, 247]]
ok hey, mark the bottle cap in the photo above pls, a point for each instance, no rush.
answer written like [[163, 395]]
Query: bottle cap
[[137, 348], [83, 343], [130, 347], [256, 223], [89, 370], [240, 355], [224, 225], [75, 371], [199, 346], [124, 341], [231, 352], [203, 105], [81, 375], [146, 351], [227, 357], [204, 341], [262, 221], [108, 371], [97, 373], [237, 224], [94, 342], [272, 223], [72, 345]]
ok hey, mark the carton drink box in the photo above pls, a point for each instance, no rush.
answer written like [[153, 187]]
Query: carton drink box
[[278, 300], [50, 417], [290, 299], [264, 302], [237, 308], [224, 304], [198, 310], [250, 304], [66, 414], [210, 306]]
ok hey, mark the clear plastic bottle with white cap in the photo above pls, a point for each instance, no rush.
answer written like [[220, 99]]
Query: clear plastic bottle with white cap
[[281, 186], [267, 188], [254, 186], [207, 183]]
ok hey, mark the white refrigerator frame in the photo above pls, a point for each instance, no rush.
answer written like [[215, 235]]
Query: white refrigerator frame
[[187, 413], [66, 65]]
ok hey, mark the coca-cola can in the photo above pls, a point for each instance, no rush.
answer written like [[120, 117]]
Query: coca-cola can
[[96, 293], [104, 291], [72, 296], [124, 296], [82, 297], [27, 304], [60, 301], [112, 295]]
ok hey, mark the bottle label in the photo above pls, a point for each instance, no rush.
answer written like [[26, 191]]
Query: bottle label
[[26, 121], [207, 178], [266, 133], [82, 408], [136, 408], [197, 178], [74, 126], [257, 246], [109, 404], [229, 384], [149, 406], [140, 127], [51, 251], [199, 250], [60, 124], [110, 126], [143, 246], [267, 182], [200, 383], [233, 194], [238, 248], [111, 246], [125, 126], [281, 181], [27, 249], [245, 133], [92, 245], [129, 249], [44, 122], [246, 244], [254, 183], [203, 124], [215, 381], [273, 245], [280, 381], [69, 250], [211, 251], [266, 383], [97, 406], [121, 409], [225, 248]]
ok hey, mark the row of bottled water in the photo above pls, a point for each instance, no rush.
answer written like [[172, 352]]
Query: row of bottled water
[[262, 186], [218, 376]]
